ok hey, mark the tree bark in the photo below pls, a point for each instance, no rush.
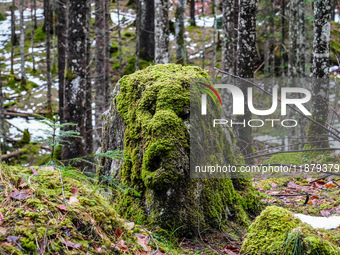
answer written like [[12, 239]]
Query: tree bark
[[77, 108], [14, 39], [283, 37], [161, 32], [147, 30], [138, 33], [119, 42], [228, 49], [180, 30], [214, 7], [246, 64], [101, 86], [62, 28], [192, 13], [32, 35], [301, 41], [22, 42], [35, 14], [270, 43], [293, 30], [47, 12], [320, 86], [3, 149]]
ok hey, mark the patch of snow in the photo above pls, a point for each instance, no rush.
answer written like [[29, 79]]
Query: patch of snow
[[33, 126], [320, 222]]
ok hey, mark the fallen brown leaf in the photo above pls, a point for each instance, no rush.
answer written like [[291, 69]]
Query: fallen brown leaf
[[74, 190], [71, 244], [19, 195], [62, 207], [119, 233]]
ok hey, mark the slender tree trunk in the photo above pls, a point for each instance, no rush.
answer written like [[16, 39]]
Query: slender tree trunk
[[301, 40], [293, 29], [62, 22], [270, 43], [101, 86], [3, 149], [119, 41], [147, 30], [77, 109], [192, 13], [320, 86], [161, 32], [13, 35], [236, 9], [138, 33], [32, 36], [283, 37], [47, 12], [203, 36], [214, 40], [228, 60], [107, 51], [246, 64], [180, 30], [35, 14], [22, 42]]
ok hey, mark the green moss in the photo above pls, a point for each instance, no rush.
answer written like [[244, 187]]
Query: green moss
[[277, 231], [39, 35], [2, 16], [92, 222], [130, 67], [26, 139], [154, 104], [69, 75]]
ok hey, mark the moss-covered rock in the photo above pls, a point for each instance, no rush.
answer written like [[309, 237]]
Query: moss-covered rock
[[149, 120], [277, 231]]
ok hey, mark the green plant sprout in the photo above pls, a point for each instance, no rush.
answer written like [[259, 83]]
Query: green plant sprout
[[55, 133]]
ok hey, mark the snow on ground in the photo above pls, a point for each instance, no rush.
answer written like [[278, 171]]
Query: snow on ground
[[125, 18], [320, 222], [33, 126]]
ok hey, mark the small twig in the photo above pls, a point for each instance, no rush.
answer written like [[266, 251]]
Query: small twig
[[62, 187], [153, 253], [321, 178]]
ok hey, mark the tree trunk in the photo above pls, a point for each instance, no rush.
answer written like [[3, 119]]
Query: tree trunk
[[101, 86], [246, 64], [161, 32], [301, 40], [147, 29], [192, 13], [283, 37], [14, 39], [214, 7], [228, 60], [320, 86], [203, 36], [119, 42], [32, 36], [180, 30], [293, 29], [62, 28], [22, 42], [77, 109], [270, 43], [3, 149], [47, 12], [107, 47], [35, 14], [138, 33]]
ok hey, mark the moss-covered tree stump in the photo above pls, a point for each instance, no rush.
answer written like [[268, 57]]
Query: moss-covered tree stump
[[149, 119]]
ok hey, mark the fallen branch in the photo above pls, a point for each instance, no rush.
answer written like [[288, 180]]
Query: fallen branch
[[12, 155]]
